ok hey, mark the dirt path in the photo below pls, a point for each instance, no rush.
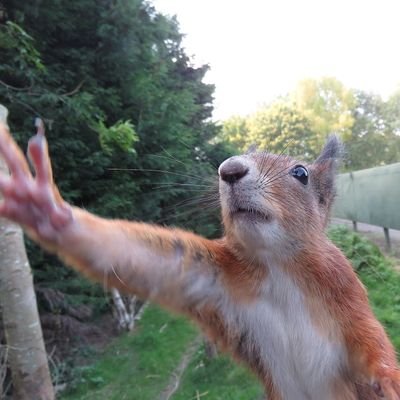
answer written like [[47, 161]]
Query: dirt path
[[176, 375]]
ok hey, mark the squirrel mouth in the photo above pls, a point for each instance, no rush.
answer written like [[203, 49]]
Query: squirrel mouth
[[251, 213]]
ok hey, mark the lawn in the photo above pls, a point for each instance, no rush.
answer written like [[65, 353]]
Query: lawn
[[136, 366]]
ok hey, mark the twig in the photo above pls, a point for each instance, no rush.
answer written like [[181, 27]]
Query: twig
[[15, 88], [73, 91], [29, 108], [199, 395]]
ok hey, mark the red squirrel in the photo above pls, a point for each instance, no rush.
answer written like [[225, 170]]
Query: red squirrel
[[274, 291]]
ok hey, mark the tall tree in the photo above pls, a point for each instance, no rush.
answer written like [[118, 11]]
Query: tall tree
[[365, 145], [373, 139], [127, 113], [108, 62]]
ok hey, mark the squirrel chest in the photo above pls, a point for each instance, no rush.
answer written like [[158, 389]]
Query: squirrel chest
[[278, 331]]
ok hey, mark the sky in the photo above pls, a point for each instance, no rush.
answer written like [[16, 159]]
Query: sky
[[259, 49]]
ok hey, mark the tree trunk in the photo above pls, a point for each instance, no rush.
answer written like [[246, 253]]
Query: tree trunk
[[26, 352]]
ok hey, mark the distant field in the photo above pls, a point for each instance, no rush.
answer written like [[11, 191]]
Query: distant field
[[141, 366]]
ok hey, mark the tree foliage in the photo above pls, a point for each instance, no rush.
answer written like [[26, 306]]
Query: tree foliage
[[278, 127], [300, 122], [127, 113], [392, 113], [107, 63], [282, 126], [374, 138], [235, 130], [328, 105]]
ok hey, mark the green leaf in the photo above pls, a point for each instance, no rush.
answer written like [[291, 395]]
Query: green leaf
[[120, 136]]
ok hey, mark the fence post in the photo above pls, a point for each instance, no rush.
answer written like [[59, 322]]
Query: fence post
[[387, 238], [355, 226]]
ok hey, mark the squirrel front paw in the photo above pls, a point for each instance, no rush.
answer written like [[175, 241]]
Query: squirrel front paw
[[387, 383], [31, 201]]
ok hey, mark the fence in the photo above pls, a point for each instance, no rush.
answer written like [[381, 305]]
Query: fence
[[371, 196]]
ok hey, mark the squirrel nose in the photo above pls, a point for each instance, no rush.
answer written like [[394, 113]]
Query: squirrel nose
[[232, 170]]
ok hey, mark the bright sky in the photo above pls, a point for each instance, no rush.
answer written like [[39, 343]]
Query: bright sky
[[260, 49]]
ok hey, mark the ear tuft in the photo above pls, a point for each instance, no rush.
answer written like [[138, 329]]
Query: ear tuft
[[252, 149], [324, 173], [333, 150]]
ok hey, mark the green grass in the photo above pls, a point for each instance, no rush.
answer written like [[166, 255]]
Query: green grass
[[217, 379], [377, 274], [138, 367]]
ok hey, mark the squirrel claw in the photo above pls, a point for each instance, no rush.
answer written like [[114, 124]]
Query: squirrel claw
[[33, 202]]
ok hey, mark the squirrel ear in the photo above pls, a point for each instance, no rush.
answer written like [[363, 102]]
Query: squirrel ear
[[323, 173], [333, 150], [252, 149]]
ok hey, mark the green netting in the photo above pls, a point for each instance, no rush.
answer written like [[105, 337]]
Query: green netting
[[371, 196]]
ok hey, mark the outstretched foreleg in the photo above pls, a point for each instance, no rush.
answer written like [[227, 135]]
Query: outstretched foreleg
[[175, 268]]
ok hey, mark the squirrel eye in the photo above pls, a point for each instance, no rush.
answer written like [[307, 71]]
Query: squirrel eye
[[300, 173]]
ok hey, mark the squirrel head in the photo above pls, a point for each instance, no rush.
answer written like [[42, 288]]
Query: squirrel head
[[276, 202]]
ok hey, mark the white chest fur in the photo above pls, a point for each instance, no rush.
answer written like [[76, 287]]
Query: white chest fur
[[302, 362]]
